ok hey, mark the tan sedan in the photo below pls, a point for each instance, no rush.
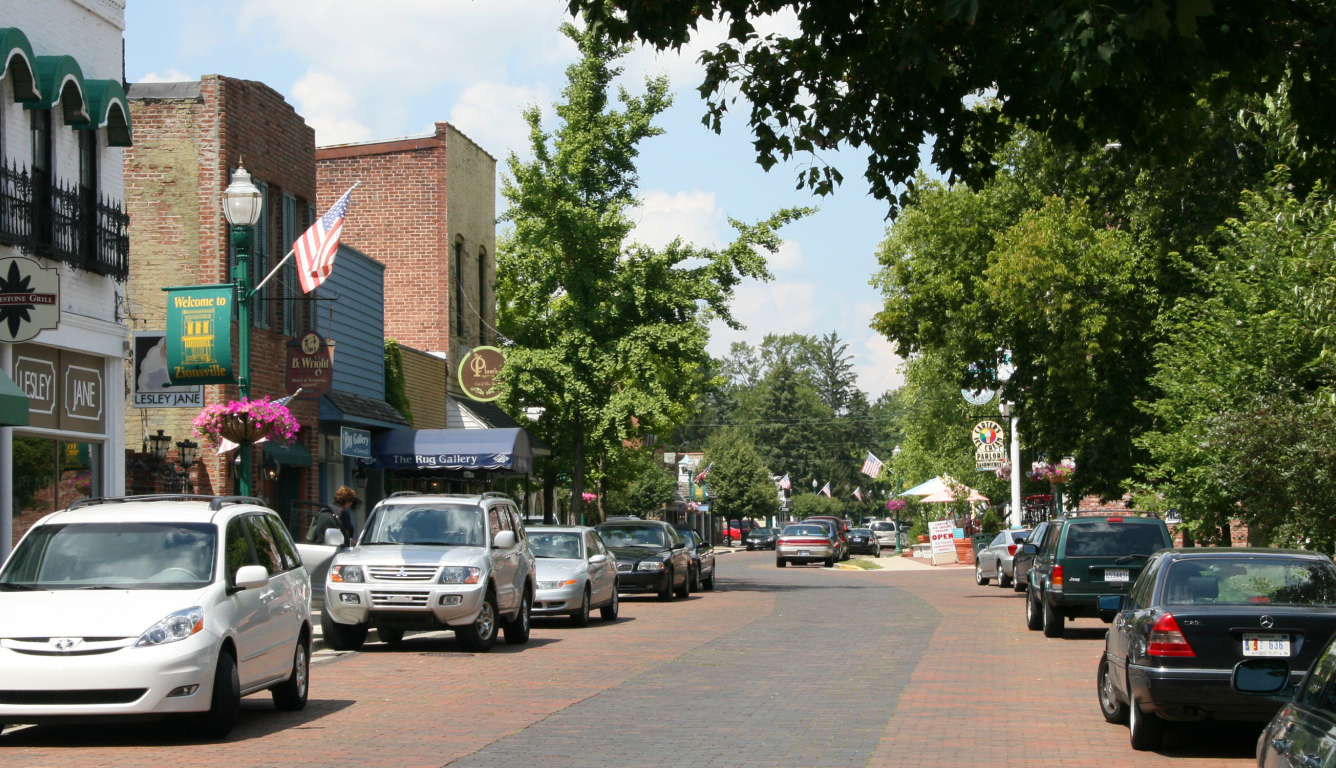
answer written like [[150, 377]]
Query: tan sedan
[[802, 543]]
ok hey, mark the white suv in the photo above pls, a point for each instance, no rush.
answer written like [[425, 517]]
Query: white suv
[[153, 606], [433, 562]]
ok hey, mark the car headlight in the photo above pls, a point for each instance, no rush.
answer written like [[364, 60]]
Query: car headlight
[[460, 574], [351, 574], [177, 626], [650, 565]]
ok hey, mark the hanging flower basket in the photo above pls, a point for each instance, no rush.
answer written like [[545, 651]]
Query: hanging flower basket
[[1003, 472], [589, 498], [1054, 473], [246, 421], [895, 505]]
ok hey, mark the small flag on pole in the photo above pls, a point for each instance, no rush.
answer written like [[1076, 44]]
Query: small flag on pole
[[858, 493], [704, 473], [315, 250], [785, 483], [826, 490], [872, 466]]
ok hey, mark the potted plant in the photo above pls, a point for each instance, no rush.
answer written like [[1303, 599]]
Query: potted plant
[[246, 421]]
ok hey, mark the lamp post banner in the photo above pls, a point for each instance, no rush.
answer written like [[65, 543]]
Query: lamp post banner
[[199, 334]]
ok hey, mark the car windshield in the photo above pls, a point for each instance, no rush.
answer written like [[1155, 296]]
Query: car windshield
[[114, 556], [458, 525], [1102, 539], [564, 545], [632, 536], [1250, 581], [806, 530], [882, 526]]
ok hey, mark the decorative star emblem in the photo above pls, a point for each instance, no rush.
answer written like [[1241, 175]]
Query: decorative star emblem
[[15, 314]]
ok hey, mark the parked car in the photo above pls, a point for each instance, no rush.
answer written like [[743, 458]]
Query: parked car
[[651, 557], [803, 543], [1195, 614], [995, 560], [1022, 561], [575, 574], [702, 559], [885, 532], [1303, 732], [432, 562], [762, 538], [864, 541], [1082, 558], [735, 532], [148, 608], [838, 535]]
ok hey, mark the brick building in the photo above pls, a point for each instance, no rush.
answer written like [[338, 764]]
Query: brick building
[[194, 136]]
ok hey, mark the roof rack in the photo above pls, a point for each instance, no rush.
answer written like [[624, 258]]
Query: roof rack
[[495, 495], [397, 494], [215, 502]]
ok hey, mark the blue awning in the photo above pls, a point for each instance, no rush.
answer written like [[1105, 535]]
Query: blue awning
[[413, 449]]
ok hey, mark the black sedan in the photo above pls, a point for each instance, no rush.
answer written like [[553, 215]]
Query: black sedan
[[1192, 616], [702, 558], [1303, 732], [762, 538], [864, 542], [651, 557]]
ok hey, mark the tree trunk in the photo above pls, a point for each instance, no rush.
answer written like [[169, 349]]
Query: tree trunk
[[577, 475], [550, 497]]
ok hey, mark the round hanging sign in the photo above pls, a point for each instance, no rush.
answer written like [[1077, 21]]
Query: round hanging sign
[[479, 372], [977, 396]]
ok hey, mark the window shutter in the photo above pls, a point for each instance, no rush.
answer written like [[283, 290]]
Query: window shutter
[[289, 273]]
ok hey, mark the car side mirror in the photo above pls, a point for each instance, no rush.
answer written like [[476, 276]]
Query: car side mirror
[[1030, 549], [1260, 677], [1109, 606], [251, 577], [679, 545], [598, 559], [503, 540], [334, 537]]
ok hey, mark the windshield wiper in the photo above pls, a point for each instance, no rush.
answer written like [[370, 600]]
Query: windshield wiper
[[102, 586], [19, 587], [1130, 558]]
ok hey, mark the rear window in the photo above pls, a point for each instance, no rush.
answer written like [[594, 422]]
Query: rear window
[[1249, 581], [860, 532], [1017, 534], [806, 530], [1103, 539], [883, 526]]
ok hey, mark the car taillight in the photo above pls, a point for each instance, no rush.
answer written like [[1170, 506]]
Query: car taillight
[[1011, 550], [1167, 640], [1113, 519], [1055, 581]]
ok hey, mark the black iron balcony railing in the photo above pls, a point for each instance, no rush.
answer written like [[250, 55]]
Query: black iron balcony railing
[[64, 223]]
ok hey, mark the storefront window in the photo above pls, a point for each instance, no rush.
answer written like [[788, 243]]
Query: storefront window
[[52, 474]]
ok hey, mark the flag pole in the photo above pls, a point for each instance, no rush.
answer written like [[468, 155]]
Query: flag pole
[[294, 250]]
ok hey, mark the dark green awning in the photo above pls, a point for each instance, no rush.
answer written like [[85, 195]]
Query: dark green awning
[[13, 403], [294, 455]]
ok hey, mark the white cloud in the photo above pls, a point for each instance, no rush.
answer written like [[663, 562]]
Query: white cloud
[[694, 216], [777, 307], [491, 114], [326, 105], [169, 76], [878, 366], [789, 258]]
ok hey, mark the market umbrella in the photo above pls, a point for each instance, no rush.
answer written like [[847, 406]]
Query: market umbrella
[[946, 495]]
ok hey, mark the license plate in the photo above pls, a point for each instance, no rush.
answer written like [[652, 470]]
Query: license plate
[[1116, 574], [1255, 644], [804, 552]]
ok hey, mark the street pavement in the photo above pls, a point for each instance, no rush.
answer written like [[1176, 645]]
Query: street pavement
[[799, 666]]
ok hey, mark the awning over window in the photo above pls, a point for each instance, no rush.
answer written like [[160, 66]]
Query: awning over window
[[294, 455], [413, 449], [13, 404]]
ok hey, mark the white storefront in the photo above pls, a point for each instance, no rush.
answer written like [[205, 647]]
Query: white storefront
[[63, 122]]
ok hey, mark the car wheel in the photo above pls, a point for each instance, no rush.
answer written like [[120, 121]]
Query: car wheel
[[979, 578], [342, 637], [708, 581], [1114, 711], [1147, 731], [830, 562], [695, 580], [685, 590], [517, 629], [609, 611], [221, 717], [390, 635], [480, 636], [581, 617], [781, 562], [1053, 621], [290, 695], [1034, 619], [666, 593], [1003, 580]]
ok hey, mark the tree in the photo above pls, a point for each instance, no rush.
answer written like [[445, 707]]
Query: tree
[[807, 505], [787, 423], [895, 75], [739, 479], [646, 490], [833, 372], [605, 335]]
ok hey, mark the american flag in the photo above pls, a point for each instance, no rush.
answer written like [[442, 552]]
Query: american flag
[[315, 250], [785, 483], [704, 472], [871, 466], [858, 493], [826, 490]]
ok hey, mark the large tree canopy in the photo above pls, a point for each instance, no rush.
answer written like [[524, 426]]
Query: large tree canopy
[[892, 75]]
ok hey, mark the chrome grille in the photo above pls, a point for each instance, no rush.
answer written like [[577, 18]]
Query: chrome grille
[[396, 598], [402, 572], [624, 567]]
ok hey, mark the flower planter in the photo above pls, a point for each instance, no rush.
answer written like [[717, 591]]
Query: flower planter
[[240, 429], [246, 421], [923, 539], [964, 551]]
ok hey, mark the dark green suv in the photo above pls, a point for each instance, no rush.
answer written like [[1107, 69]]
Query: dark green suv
[[1080, 558]]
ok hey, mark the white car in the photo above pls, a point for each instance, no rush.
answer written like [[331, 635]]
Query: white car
[[574, 573], [884, 530], [139, 608]]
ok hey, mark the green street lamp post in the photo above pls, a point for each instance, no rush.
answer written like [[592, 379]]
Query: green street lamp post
[[242, 203], [895, 454]]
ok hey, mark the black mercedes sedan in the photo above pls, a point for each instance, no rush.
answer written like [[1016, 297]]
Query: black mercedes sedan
[[864, 541], [651, 557], [1192, 616], [762, 538]]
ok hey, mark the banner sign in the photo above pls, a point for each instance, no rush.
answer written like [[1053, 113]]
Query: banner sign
[[447, 461], [990, 447], [29, 298], [199, 334], [942, 536], [478, 373], [355, 442], [152, 386], [310, 367]]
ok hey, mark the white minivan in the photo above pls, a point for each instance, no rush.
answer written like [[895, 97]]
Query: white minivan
[[145, 607]]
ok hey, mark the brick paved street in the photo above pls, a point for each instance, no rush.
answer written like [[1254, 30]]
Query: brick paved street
[[777, 668]]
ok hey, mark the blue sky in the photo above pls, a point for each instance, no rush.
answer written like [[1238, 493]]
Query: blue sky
[[359, 70]]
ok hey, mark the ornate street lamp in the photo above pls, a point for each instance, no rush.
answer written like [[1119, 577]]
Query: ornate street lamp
[[161, 443], [242, 204], [186, 450]]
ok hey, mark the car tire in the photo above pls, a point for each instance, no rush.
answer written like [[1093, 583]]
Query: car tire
[[708, 582], [695, 580], [480, 635], [1054, 622], [830, 562], [1114, 711], [1017, 585], [390, 635], [666, 594], [1003, 580], [979, 578], [609, 611], [581, 617], [1146, 731], [1034, 617], [342, 637], [517, 629], [685, 590], [781, 562], [290, 695], [225, 703]]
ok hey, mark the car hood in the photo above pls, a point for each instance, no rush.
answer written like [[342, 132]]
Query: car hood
[[639, 553], [552, 569], [90, 613], [412, 554]]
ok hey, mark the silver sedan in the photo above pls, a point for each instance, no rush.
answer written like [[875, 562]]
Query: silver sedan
[[996, 560], [575, 573]]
